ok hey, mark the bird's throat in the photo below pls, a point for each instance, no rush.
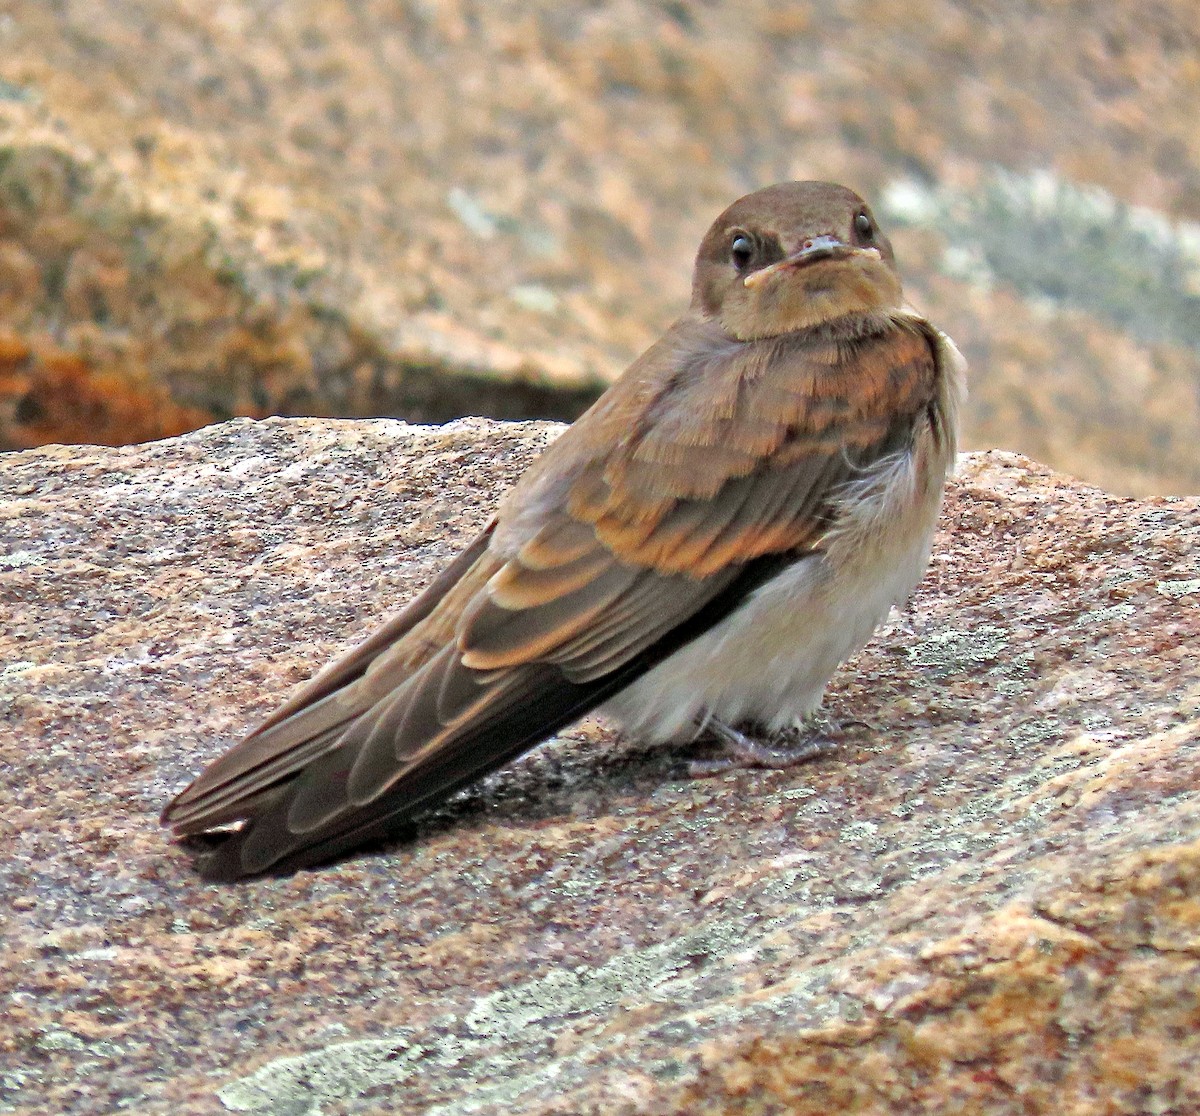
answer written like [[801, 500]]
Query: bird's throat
[[807, 298]]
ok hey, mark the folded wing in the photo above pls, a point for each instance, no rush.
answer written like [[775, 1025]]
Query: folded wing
[[645, 524]]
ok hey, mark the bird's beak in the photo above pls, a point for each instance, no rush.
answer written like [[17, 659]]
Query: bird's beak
[[810, 252]]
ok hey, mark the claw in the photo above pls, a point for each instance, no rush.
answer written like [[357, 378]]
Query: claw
[[745, 751]]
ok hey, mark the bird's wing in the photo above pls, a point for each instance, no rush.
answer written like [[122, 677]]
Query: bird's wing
[[308, 722], [708, 485]]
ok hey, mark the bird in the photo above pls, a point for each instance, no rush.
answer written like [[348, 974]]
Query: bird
[[696, 553]]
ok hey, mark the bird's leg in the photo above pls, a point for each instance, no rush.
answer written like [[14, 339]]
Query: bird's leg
[[745, 751]]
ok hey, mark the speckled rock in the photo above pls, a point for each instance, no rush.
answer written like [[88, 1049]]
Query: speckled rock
[[436, 209], [987, 900]]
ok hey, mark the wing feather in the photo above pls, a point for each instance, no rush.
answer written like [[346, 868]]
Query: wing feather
[[644, 523], [307, 723]]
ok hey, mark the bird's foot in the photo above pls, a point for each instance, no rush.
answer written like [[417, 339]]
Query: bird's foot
[[785, 749]]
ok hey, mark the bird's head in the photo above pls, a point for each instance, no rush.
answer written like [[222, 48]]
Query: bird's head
[[791, 257]]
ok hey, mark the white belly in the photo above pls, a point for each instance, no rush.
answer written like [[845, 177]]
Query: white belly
[[770, 660]]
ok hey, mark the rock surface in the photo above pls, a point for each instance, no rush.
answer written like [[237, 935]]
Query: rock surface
[[987, 900], [428, 210]]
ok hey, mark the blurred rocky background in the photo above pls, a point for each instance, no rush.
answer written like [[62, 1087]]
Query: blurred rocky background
[[428, 209]]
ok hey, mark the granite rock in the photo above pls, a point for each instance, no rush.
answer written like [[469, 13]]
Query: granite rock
[[986, 900], [430, 210]]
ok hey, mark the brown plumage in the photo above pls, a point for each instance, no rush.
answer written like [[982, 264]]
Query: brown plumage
[[708, 541]]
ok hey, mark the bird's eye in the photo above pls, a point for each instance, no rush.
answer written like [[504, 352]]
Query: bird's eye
[[741, 251], [864, 226]]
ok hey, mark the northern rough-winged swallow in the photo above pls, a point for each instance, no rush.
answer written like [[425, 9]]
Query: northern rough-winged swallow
[[701, 549]]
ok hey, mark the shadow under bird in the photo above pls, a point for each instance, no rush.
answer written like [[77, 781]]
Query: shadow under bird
[[699, 551]]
